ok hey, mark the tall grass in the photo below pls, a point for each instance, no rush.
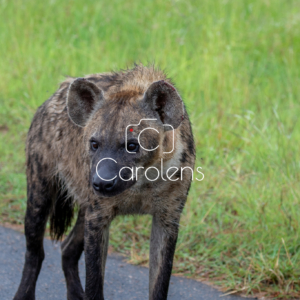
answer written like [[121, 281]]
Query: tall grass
[[237, 66]]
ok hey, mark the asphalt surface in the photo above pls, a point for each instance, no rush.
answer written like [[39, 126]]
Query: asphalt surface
[[122, 281]]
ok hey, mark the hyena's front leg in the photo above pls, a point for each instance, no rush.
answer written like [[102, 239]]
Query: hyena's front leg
[[72, 248], [162, 248], [38, 207], [96, 236]]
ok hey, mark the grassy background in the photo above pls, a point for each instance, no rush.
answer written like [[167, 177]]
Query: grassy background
[[237, 66]]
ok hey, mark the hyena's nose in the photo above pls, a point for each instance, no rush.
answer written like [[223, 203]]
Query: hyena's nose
[[101, 185]]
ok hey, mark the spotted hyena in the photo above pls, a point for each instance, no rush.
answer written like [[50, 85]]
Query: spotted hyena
[[112, 144]]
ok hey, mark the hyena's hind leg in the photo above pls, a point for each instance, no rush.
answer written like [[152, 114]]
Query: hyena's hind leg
[[40, 193], [72, 248]]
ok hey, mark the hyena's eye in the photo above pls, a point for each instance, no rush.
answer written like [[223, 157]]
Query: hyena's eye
[[94, 145], [132, 147]]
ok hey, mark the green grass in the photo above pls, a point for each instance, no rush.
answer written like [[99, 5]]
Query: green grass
[[237, 66]]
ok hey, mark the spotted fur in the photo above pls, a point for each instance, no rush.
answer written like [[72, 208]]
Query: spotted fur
[[59, 164]]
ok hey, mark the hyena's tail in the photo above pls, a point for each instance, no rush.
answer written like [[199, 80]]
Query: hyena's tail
[[61, 216]]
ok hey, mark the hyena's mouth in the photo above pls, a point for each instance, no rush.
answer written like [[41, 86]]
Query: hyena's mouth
[[110, 188]]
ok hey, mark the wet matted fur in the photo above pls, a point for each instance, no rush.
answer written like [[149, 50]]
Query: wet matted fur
[[83, 122]]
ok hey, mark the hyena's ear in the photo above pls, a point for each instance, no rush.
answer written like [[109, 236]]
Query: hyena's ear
[[165, 101], [84, 97]]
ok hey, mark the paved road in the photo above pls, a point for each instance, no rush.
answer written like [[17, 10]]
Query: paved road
[[122, 281]]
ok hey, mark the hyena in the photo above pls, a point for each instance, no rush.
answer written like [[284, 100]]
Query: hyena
[[82, 150]]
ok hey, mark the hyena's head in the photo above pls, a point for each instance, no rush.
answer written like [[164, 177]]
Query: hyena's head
[[126, 132]]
